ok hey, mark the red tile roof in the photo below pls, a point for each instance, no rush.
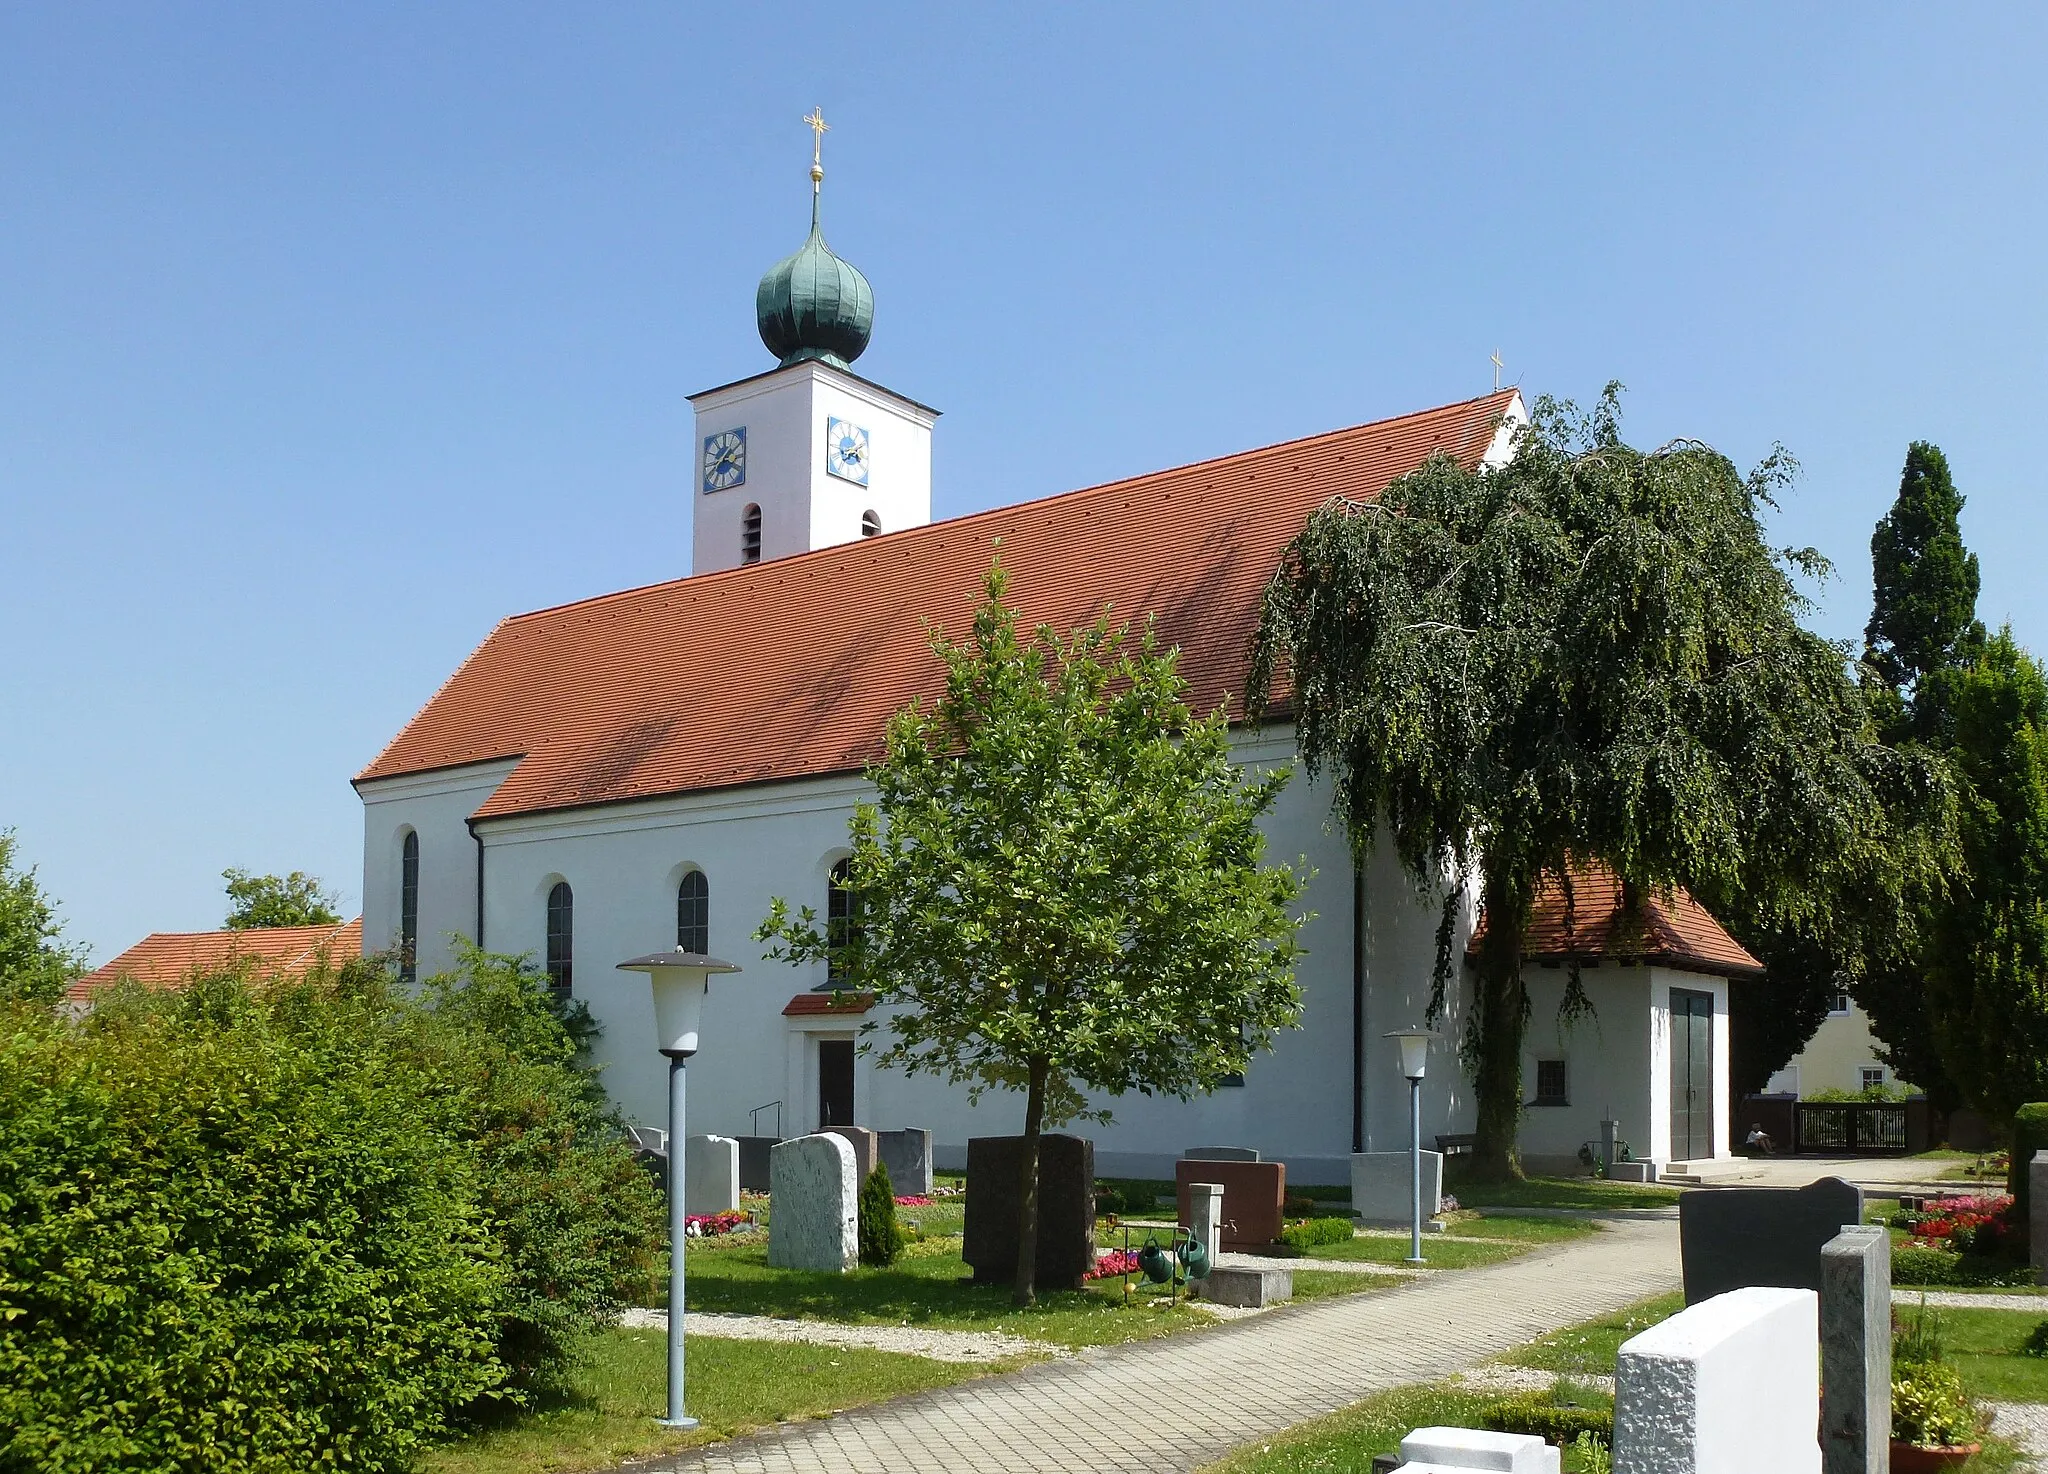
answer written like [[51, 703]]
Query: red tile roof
[[805, 1005], [168, 958], [791, 668], [1673, 930]]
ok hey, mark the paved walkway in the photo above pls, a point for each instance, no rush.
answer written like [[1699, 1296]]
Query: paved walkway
[[1182, 1401]]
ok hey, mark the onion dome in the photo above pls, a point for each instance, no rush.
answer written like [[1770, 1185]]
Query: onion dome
[[813, 305]]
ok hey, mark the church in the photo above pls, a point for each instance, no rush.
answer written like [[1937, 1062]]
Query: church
[[649, 768]]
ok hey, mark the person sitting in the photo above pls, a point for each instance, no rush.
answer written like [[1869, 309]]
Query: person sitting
[[1758, 1143]]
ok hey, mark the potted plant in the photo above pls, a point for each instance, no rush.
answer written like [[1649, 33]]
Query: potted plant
[[1934, 1425]]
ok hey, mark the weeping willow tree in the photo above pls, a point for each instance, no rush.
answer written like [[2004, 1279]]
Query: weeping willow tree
[[1588, 653]]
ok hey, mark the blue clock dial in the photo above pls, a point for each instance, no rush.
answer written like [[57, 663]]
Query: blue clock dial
[[846, 450], [725, 459]]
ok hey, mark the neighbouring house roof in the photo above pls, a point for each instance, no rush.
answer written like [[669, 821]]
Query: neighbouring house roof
[[167, 958], [808, 1005], [791, 668], [1591, 925]]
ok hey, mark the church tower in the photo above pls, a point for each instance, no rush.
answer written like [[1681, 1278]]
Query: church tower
[[809, 453]]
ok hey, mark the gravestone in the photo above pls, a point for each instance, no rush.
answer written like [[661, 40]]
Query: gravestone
[[1253, 1194], [908, 1156], [1856, 1351], [1730, 1385], [1734, 1237], [812, 1191], [1205, 1216], [711, 1174], [1382, 1186], [1249, 1289], [1219, 1154], [1441, 1450], [2037, 1216], [1066, 1209], [866, 1149], [754, 1152]]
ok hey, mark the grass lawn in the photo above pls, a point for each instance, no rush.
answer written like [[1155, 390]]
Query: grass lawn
[[1984, 1348], [929, 1290], [1393, 1249], [1524, 1226], [1588, 1193], [1589, 1348], [609, 1410]]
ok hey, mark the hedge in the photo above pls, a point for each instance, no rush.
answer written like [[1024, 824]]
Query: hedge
[[267, 1228], [1311, 1232], [2029, 1134]]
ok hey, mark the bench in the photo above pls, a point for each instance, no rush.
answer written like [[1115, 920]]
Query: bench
[[1452, 1146]]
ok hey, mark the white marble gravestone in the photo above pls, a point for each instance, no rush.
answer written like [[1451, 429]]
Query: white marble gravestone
[[813, 1182], [1730, 1385], [1442, 1450], [711, 1174]]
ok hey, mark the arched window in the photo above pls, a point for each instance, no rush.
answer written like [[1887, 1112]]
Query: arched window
[[870, 523], [693, 914], [750, 534], [561, 937], [409, 907], [839, 919]]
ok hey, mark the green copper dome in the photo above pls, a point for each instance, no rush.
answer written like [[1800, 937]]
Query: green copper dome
[[814, 306]]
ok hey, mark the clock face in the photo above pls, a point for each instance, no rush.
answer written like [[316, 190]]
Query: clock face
[[846, 450], [725, 459]]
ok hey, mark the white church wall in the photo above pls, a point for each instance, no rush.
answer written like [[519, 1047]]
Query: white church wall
[[1401, 931], [1607, 1065], [437, 806], [623, 863]]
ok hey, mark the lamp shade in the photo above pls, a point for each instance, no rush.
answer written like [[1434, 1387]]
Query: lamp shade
[[1414, 1049], [680, 981]]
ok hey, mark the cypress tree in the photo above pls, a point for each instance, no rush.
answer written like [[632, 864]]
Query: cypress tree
[[1923, 615], [881, 1238]]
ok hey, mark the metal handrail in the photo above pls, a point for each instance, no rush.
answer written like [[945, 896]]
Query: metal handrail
[[754, 1118]]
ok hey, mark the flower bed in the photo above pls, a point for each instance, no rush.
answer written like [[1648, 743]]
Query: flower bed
[[912, 1200], [1969, 1225], [1112, 1264], [714, 1225]]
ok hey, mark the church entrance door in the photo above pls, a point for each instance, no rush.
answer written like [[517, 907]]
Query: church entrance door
[[1692, 1075], [835, 1083]]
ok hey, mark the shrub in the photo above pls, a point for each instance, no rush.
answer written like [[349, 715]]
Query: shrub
[[232, 1242], [1928, 1405], [2029, 1135], [1935, 1268], [1310, 1232], [881, 1240], [1534, 1413], [257, 1226], [2037, 1341]]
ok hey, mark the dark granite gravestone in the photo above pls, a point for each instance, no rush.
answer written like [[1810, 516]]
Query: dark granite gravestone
[[1066, 1209], [908, 1156], [1733, 1237], [754, 1174], [867, 1150]]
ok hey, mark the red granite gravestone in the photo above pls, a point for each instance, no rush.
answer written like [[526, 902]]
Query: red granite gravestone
[[1252, 1196]]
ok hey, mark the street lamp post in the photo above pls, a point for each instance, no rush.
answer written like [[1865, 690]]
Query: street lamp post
[[680, 980], [1414, 1057]]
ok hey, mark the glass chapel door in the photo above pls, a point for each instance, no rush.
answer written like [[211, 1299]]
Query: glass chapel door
[[1692, 1075]]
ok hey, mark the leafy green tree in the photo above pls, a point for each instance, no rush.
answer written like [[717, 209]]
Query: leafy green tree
[[1924, 614], [297, 899], [1590, 652], [1060, 884], [1986, 964], [34, 964]]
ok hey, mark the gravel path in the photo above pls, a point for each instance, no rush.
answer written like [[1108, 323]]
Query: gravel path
[[2025, 1423], [1341, 1266], [961, 1346], [1964, 1300]]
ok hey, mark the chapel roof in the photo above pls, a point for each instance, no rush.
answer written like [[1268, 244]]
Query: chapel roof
[[167, 958], [791, 668], [1592, 925]]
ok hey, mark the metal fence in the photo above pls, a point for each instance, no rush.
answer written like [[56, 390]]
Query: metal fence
[[1849, 1126]]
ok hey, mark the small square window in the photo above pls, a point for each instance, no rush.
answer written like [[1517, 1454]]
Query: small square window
[[1840, 1005], [1235, 1077], [1873, 1078], [1550, 1081]]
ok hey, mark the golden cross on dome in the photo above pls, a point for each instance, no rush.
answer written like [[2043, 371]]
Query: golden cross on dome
[[1497, 367], [815, 121]]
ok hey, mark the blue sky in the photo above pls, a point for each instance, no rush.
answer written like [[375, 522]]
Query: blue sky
[[331, 335]]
